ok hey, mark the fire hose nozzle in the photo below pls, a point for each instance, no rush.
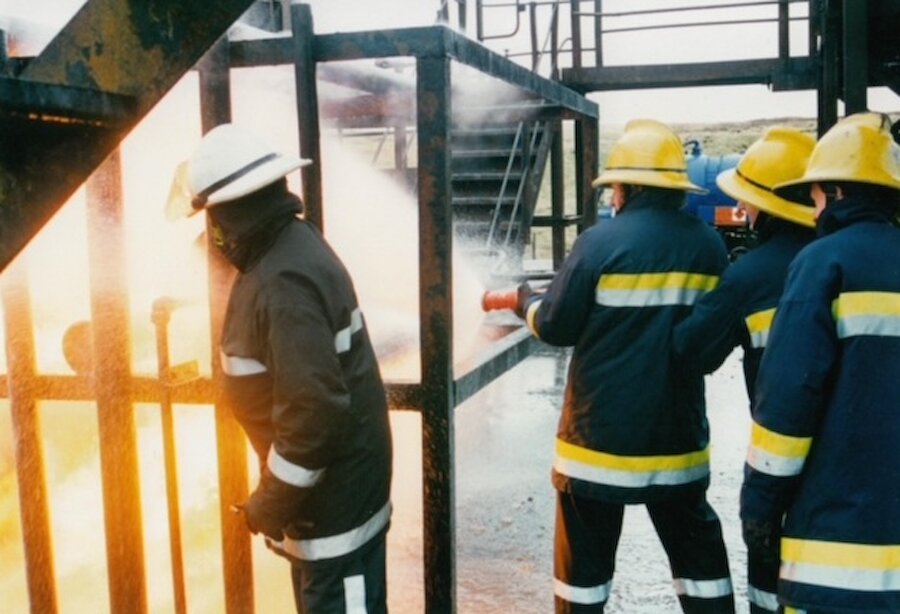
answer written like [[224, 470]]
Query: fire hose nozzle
[[493, 300]]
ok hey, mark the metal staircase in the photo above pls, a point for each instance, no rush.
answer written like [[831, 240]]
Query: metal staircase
[[496, 175]]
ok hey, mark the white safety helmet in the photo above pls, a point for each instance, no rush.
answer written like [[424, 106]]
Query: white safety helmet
[[229, 163]]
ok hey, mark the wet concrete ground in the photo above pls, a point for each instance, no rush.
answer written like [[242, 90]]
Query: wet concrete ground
[[505, 502]]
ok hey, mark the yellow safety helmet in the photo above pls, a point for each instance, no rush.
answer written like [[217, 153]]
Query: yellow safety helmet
[[857, 149], [780, 155], [648, 153]]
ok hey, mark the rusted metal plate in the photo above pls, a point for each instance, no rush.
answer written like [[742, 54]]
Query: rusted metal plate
[[136, 48]]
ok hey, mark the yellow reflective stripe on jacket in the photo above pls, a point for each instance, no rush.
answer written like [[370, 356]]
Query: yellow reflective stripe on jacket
[[777, 454], [758, 325], [630, 471], [860, 567], [653, 289], [867, 313]]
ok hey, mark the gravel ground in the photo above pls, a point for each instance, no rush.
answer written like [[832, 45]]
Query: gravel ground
[[505, 503]]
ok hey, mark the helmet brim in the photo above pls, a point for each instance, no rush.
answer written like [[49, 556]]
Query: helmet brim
[[799, 212], [656, 179]]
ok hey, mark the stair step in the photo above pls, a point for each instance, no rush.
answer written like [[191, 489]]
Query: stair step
[[482, 201], [485, 176], [484, 153]]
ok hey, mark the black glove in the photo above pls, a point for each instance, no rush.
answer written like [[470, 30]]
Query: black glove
[[763, 540], [259, 520], [523, 296]]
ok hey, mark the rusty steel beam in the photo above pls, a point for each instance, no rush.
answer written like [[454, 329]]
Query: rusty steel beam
[[34, 503], [307, 104], [497, 359], [801, 75], [855, 47], [436, 326], [231, 446], [119, 464], [135, 48]]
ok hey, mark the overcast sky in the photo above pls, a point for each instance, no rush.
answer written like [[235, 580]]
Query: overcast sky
[[712, 104]]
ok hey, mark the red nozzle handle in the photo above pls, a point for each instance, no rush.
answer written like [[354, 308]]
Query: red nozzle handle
[[499, 299]]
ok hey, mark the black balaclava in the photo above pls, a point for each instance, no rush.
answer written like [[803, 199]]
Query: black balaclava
[[245, 228]]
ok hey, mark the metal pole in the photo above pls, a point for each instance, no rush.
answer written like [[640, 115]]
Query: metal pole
[[112, 378], [828, 68], [237, 560], [307, 111], [586, 144], [784, 30], [436, 331], [576, 34], [34, 506], [557, 196], [535, 45], [160, 315], [598, 33], [856, 51]]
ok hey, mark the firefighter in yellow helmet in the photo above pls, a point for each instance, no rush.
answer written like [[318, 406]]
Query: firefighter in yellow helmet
[[823, 464], [740, 310], [301, 376], [633, 428]]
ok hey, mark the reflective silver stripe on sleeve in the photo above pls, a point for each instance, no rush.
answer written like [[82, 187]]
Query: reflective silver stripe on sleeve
[[238, 366], [703, 589], [355, 595], [775, 453], [343, 338], [773, 464], [333, 546], [762, 599], [584, 595], [758, 326], [288, 472]]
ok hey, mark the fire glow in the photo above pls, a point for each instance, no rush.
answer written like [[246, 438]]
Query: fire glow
[[370, 222]]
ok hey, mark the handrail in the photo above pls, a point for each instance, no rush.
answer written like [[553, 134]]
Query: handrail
[[509, 164], [479, 19], [783, 18], [526, 169], [727, 22]]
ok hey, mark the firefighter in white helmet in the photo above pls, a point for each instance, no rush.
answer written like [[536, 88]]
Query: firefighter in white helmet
[[823, 465], [633, 428], [300, 376], [739, 311]]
